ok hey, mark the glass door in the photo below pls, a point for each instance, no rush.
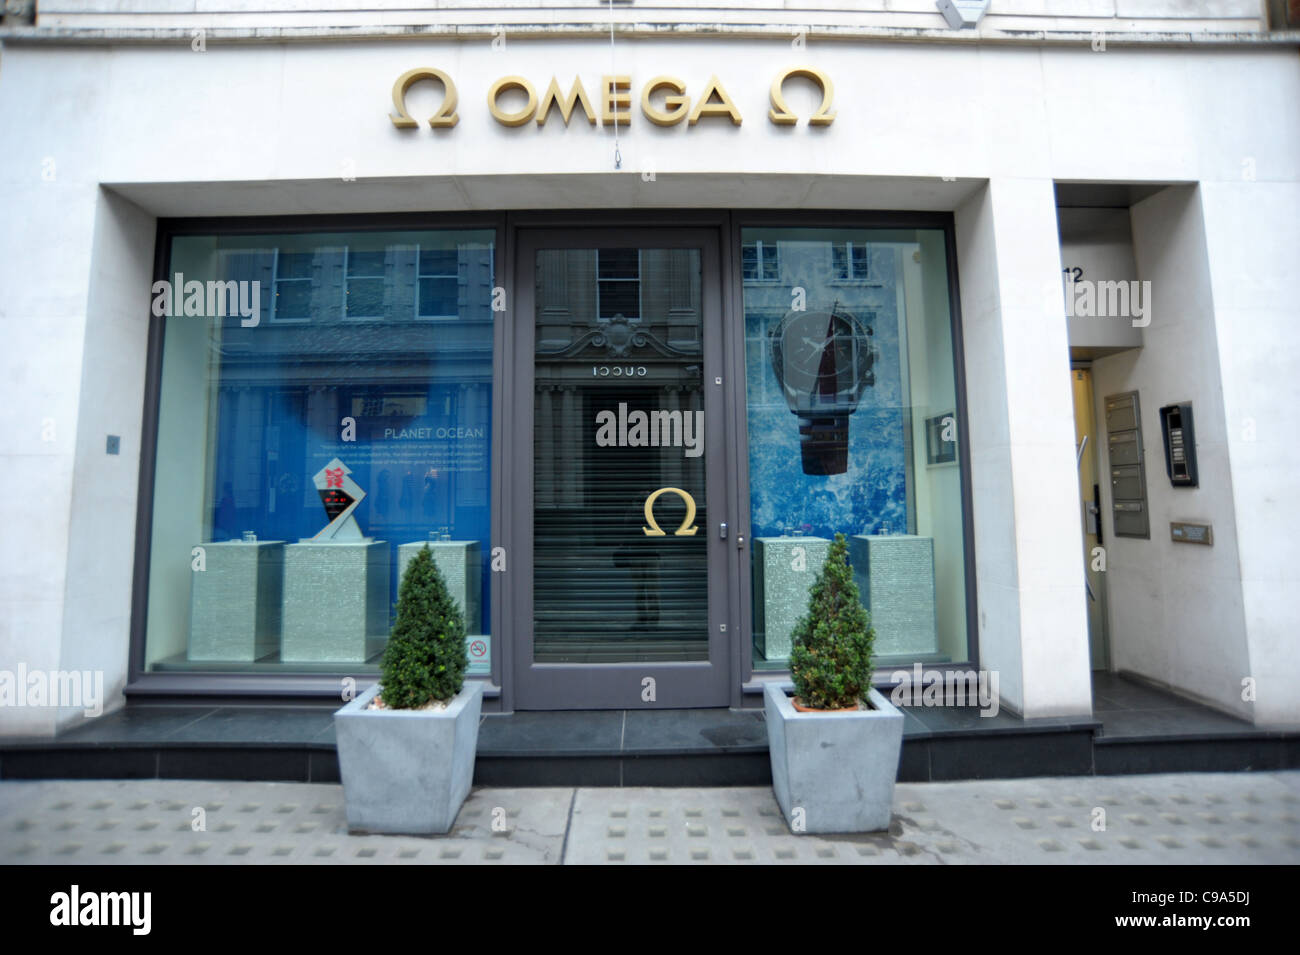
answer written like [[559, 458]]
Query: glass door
[[619, 497]]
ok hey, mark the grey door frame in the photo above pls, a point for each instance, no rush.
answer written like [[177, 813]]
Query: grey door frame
[[551, 686]]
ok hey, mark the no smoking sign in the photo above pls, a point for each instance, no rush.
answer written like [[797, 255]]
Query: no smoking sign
[[478, 650]]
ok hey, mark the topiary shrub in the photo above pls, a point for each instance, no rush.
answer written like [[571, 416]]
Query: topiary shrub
[[830, 659], [425, 658]]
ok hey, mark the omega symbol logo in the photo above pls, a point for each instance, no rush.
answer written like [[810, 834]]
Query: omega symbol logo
[[686, 530], [780, 113], [446, 115]]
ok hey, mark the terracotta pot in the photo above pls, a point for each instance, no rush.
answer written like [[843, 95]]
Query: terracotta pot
[[794, 701]]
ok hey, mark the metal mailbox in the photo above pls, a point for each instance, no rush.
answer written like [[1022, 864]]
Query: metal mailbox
[[1125, 448], [1128, 484], [1121, 413], [1130, 519]]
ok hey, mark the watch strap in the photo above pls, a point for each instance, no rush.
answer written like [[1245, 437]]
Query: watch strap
[[824, 444]]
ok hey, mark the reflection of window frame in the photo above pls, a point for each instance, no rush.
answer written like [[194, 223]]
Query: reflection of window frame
[[639, 303], [768, 318], [761, 260], [347, 279], [442, 317], [850, 273], [275, 292]]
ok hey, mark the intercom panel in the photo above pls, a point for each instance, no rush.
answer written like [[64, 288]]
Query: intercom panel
[[1180, 444]]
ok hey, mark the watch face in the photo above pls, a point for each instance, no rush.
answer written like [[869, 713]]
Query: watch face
[[818, 357]]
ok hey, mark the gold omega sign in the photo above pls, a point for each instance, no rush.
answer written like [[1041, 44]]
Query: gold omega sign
[[665, 100], [780, 113], [686, 530], [446, 115]]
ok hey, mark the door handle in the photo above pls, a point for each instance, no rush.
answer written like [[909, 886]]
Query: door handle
[[722, 530]]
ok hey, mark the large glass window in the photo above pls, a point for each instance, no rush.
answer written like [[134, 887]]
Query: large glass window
[[618, 419], [315, 430], [852, 416]]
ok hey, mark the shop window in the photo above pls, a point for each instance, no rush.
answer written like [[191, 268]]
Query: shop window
[[852, 420], [302, 461]]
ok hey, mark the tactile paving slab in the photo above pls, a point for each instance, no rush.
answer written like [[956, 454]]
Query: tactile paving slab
[[170, 822], [1204, 818], [1193, 818]]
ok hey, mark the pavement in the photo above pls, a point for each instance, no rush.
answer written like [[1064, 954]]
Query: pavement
[[1182, 818]]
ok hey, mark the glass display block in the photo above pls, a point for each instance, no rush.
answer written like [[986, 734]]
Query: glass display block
[[895, 574], [784, 570], [335, 602], [235, 601]]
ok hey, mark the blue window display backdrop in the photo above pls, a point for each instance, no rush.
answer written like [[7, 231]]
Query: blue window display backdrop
[[870, 496], [371, 348], [421, 455]]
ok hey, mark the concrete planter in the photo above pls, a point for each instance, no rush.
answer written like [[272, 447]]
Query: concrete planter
[[839, 768], [407, 771]]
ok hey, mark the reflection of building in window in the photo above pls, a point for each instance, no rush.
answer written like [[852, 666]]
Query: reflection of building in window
[[379, 404], [761, 263], [851, 261], [438, 282], [292, 281], [363, 284], [618, 283], [243, 437]]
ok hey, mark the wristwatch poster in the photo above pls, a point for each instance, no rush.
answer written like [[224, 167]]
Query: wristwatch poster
[[823, 361]]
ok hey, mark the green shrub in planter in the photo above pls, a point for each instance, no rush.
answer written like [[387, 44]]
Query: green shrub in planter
[[425, 658], [830, 659]]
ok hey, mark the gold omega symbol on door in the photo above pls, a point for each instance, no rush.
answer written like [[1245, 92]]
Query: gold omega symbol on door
[[686, 530]]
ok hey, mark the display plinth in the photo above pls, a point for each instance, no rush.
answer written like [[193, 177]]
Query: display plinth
[[895, 573], [235, 601], [335, 601], [784, 570], [460, 563]]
